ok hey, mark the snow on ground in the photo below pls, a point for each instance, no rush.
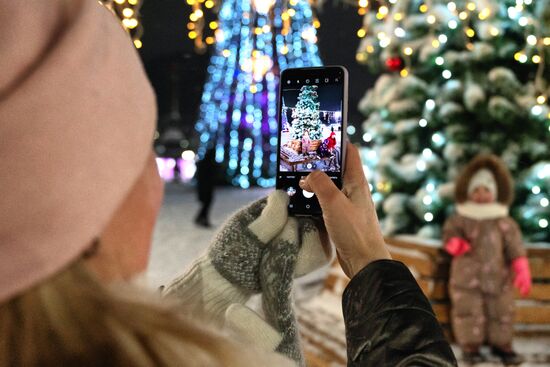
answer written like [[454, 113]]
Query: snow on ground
[[177, 241]]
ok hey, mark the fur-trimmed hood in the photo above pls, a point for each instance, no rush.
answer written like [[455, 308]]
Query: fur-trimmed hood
[[503, 178]]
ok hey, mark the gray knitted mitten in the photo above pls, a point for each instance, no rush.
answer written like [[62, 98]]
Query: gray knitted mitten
[[259, 250]]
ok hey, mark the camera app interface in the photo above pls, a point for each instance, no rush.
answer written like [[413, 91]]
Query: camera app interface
[[311, 125]]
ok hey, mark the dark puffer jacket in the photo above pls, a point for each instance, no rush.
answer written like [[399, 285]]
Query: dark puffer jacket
[[389, 321]]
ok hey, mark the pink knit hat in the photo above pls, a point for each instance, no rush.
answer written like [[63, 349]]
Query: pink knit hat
[[77, 118]]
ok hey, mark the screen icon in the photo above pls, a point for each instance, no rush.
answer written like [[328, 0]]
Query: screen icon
[[326, 80], [337, 80], [307, 81], [288, 82], [298, 81], [316, 80]]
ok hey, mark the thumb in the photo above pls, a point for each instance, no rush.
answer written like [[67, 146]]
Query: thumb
[[319, 183]]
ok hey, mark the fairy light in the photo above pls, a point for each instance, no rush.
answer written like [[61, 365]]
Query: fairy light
[[128, 13], [408, 51], [398, 17], [541, 99], [463, 15], [484, 14], [536, 59], [453, 24], [361, 33], [422, 122], [399, 32], [532, 40], [471, 6], [544, 202], [447, 74], [423, 8], [439, 60], [470, 32], [442, 38], [253, 40], [546, 41], [435, 44], [494, 31], [431, 19], [543, 223], [451, 6], [428, 217], [523, 21], [138, 44], [404, 73]]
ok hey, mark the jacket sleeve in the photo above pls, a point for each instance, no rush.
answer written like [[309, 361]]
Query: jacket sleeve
[[389, 321], [453, 227], [513, 243]]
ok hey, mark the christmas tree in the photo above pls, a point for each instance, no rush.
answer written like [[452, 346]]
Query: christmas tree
[[255, 40], [460, 78], [306, 114]]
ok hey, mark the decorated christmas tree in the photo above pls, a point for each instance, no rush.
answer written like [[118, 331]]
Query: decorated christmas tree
[[460, 78], [255, 40], [306, 114]]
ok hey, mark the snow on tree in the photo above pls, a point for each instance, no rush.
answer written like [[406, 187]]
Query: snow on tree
[[306, 114], [460, 78]]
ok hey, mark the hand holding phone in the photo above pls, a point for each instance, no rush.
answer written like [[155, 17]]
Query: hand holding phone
[[349, 215], [312, 125]]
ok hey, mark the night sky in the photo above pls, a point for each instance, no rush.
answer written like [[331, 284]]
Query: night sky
[[167, 51]]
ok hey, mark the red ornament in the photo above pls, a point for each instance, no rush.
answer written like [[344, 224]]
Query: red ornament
[[394, 63]]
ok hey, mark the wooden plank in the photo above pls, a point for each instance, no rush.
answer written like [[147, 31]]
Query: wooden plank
[[428, 246], [527, 312], [540, 268], [539, 292]]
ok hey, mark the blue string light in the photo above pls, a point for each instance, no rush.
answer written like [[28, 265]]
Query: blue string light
[[238, 113]]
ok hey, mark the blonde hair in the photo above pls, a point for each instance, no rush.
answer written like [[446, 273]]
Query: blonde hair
[[73, 319]]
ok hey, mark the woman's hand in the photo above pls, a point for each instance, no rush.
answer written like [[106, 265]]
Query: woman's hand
[[349, 215]]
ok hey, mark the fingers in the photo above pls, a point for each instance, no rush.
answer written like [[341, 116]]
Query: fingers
[[319, 183], [354, 167]]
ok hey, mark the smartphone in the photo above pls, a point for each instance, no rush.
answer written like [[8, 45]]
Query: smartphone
[[312, 122]]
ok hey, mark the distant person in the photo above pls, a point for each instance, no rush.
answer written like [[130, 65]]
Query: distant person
[[306, 143], [206, 175]]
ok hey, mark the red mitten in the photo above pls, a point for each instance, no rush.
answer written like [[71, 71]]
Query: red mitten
[[522, 279], [457, 246]]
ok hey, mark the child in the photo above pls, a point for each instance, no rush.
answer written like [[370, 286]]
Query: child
[[306, 142], [488, 254]]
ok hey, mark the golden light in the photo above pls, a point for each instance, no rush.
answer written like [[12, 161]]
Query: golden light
[[190, 26], [257, 31], [463, 15], [190, 2], [370, 49], [316, 23], [226, 53], [541, 99], [293, 2], [383, 10], [130, 23], [192, 35], [536, 59], [435, 43], [431, 19], [362, 11], [284, 49], [263, 6], [256, 53], [423, 8], [471, 6], [494, 31], [404, 73], [285, 16], [209, 40], [363, 3], [546, 41], [253, 88], [120, 2], [398, 16], [360, 57], [291, 12], [517, 56], [408, 51], [470, 46], [213, 25], [138, 43], [380, 16], [132, 2], [361, 33], [484, 14], [193, 17], [209, 4], [127, 12], [470, 32]]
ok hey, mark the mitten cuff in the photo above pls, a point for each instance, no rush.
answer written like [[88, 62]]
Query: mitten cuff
[[205, 291]]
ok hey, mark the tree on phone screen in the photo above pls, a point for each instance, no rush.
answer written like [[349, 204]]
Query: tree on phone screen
[[306, 114]]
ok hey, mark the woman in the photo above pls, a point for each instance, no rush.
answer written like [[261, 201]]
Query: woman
[[75, 106]]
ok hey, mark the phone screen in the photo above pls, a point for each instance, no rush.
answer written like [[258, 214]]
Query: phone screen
[[312, 124]]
